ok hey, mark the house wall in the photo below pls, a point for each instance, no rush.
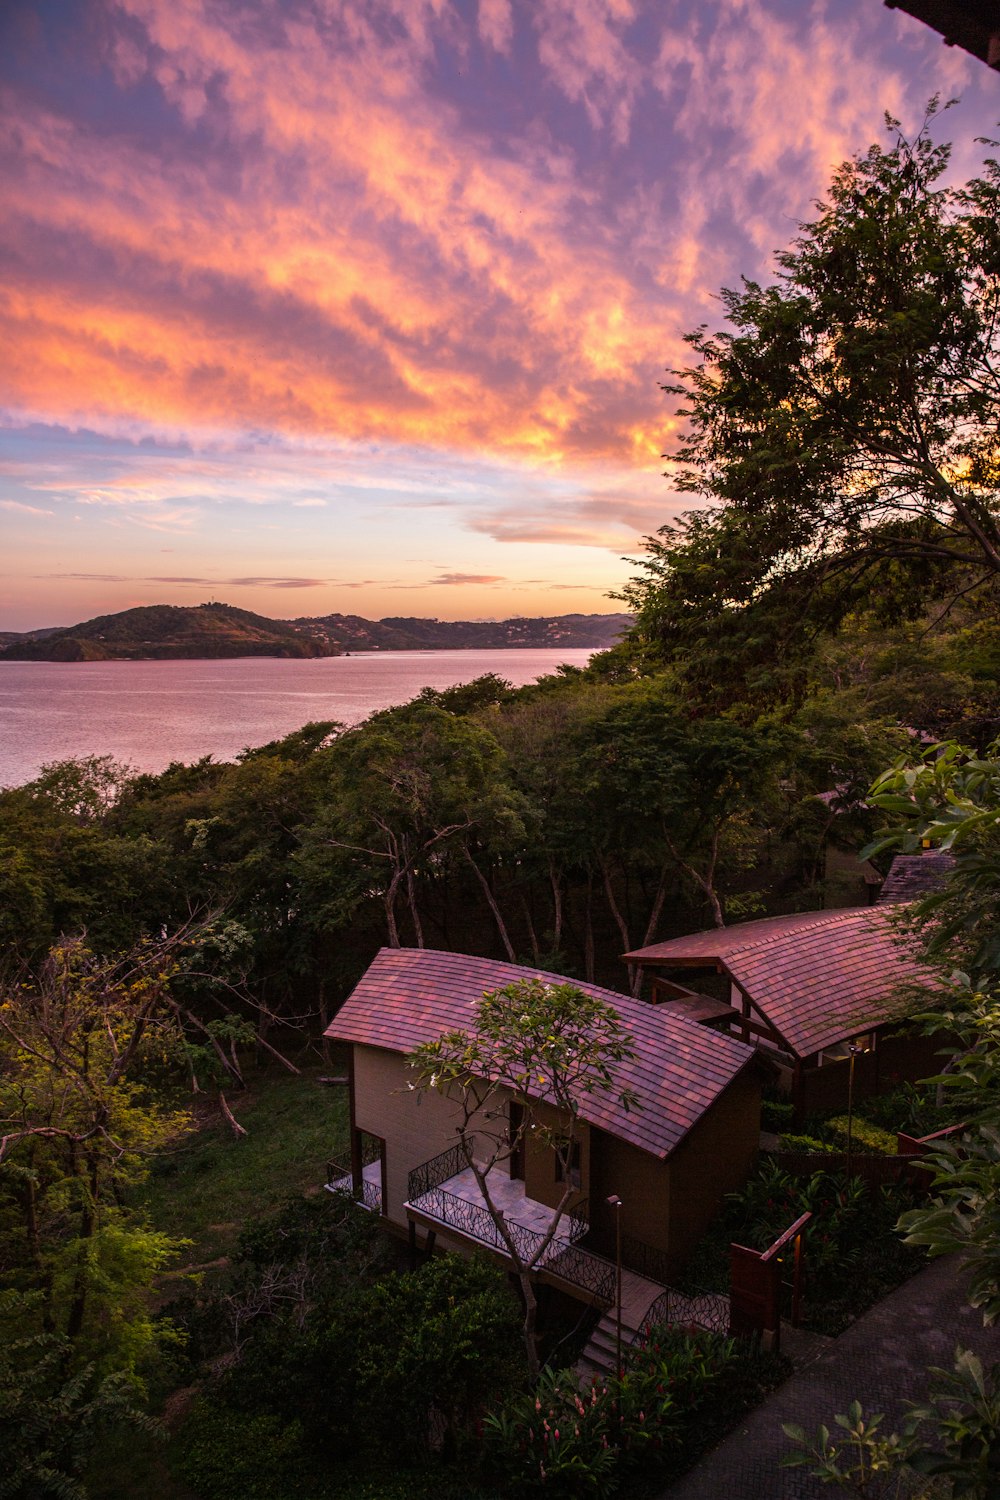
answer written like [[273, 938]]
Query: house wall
[[643, 1184], [415, 1125], [716, 1158], [540, 1181]]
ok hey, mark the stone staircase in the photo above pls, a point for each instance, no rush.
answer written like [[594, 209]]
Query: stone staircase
[[600, 1355], [704, 1310]]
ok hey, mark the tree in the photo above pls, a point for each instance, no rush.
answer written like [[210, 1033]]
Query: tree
[[76, 1131], [408, 790], [952, 798], [51, 1421], [844, 428], [547, 1047]]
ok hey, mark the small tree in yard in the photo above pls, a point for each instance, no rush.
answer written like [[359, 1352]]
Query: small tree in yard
[[536, 1044]]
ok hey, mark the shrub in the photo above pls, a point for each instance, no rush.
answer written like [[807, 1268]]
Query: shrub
[[808, 1144], [555, 1438], [776, 1115], [567, 1442], [864, 1136], [257, 1458]]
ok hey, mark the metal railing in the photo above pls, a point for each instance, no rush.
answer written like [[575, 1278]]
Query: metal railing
[[645, 1260], [340, 1179], [561, 1256], [708, 1310], [431, 1174]]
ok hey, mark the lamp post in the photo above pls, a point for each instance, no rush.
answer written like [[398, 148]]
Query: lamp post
[[616, 1203], [853, 1049]]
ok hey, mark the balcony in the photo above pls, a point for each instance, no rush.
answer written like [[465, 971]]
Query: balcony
[[444, 1193], [340, 1180]]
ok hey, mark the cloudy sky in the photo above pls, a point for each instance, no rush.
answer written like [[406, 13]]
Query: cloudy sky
[[363, 305]]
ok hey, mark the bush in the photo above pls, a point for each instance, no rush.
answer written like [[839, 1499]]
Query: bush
[[810, 1145], [257, 1458], [853, 1252], [864, 1136], [776, 1115], [566, 1442]]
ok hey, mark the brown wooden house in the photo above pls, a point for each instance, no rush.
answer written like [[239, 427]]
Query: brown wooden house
[[816, 991], [692, 1140]]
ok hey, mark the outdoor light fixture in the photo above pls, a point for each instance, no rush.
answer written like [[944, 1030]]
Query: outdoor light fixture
[[853, 1048], [616, 1203]]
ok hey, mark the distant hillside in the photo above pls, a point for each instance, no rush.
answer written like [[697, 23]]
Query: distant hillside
[[170, 632], [405, 633]]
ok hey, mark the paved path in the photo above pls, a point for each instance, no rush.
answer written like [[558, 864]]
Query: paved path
[[881, 1360]]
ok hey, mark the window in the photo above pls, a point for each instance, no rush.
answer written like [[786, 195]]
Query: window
[[574, 1166]]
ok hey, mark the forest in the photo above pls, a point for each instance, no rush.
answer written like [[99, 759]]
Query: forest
[[175, 944]]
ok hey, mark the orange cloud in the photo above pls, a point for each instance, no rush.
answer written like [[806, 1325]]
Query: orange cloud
[[315, 238]]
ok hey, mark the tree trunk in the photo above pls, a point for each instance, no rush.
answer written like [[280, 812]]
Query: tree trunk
[[324, 1021], [88, 1223], [494, 908], [557, 907], [389, 902], [530, 926], [620, 922], [414, 913], [588, 934], [530, 1323]]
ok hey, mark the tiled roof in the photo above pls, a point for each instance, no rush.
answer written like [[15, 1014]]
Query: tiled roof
[[412, 995], [914, 875], [817, 977]]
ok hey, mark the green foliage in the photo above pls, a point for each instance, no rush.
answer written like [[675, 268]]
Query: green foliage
[[776, 1114], [954, 1437], [258, 1458], [51, 1420], [805, 1143], [864, 1135], [853, 1253], [433, 1347], [952, 798], [868, 1462], [360, 1363], [844, 427], [680, 1391]]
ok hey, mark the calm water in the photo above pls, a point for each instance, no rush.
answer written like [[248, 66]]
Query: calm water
[[149, 713]]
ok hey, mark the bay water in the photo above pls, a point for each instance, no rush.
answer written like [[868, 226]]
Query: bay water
[[149, 713]]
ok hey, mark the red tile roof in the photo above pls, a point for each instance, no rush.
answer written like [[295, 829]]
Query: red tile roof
[[817, 977], [412, 995]]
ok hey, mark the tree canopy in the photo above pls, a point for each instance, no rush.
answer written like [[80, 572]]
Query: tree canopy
[[845, 426]]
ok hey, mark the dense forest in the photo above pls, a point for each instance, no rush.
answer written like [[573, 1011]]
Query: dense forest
[[833, 609]]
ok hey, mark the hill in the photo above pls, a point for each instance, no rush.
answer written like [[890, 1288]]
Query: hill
[[170, 632], [407, 633]]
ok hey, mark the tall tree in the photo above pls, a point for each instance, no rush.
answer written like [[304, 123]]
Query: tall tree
[[951, 798], [538, 1044], [845, 427]]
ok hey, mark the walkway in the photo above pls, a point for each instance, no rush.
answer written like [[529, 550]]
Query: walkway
[[881, 1360]]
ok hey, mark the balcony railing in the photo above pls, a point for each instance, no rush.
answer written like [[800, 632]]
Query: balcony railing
[[561, 1257], [709, 1310], [431, 1174], [340, 1179]]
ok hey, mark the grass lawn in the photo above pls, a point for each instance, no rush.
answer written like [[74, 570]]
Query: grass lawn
[[212, 1181], [204, 1190]]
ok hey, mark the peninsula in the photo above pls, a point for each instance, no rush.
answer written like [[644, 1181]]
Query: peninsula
[[168, 632]]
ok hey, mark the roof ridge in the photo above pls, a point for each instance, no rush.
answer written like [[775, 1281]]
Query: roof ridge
[[823, 919]]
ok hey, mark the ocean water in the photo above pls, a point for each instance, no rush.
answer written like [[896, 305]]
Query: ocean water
[[149, 713]]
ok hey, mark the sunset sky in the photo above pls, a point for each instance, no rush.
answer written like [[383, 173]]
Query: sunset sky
[[363, 305]]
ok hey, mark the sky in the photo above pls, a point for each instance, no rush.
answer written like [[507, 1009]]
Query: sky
[[365, 305]]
